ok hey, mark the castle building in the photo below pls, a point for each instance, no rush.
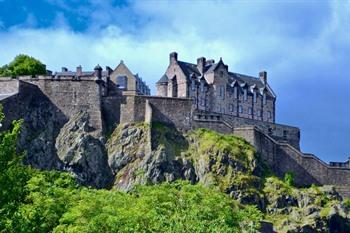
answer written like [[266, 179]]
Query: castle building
[[121, 78], [213, 88]]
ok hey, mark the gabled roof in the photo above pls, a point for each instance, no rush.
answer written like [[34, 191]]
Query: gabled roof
[[163, 79], [212, 67]]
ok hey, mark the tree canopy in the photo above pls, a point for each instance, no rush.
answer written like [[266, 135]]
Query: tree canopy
[[23, 65]]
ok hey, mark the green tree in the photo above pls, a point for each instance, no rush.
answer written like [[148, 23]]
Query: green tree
[[289, 178], [13, 175], [23, 65]]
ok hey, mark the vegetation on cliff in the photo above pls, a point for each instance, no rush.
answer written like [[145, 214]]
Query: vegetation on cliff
[[201, 181], [23, 65]]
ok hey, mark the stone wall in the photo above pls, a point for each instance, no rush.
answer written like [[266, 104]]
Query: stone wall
[[8, 85], [172, 111], [72, 96], [283, 133], [283, 158]]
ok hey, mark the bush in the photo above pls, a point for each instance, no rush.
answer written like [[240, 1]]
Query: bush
[[289, 178]]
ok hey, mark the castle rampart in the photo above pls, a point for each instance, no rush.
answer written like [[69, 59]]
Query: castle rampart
[[108, 106]]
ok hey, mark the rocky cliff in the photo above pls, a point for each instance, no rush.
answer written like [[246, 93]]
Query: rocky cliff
[[148, 154]]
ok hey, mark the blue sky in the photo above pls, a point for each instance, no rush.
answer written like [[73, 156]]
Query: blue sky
[[303, 45]]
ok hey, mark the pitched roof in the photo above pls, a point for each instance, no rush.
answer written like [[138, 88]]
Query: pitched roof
[[163, 79], [250, 81], [189, 68]]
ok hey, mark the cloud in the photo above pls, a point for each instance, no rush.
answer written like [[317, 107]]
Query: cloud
[[304, 48]]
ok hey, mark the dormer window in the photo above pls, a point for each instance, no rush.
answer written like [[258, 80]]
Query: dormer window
[[235, 92], [221, 73], [245, 94]]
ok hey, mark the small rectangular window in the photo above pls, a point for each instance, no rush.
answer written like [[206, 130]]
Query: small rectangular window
[[193, 85], [254, 97], [245, 95], [240, 109], [269, 114], [235, 92], [231, 107], [264, 98], [250, 111], [122, 82]]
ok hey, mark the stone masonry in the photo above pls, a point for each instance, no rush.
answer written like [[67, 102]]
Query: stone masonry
[[110, 100]]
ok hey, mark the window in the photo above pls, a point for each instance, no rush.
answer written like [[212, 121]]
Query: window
[[231, 107], [254, 97], [193, 85], [202, 86], [264, 98], [122, 82], [259, 113], [221, 73], [250, 111], [269, 114], [285, 133], [240, 109], [222, 92], [235, 92], [245, 94], [202, 103]]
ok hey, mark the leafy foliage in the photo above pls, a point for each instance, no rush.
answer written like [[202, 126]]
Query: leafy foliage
[[289, 178], [51, 201], [23, 65]]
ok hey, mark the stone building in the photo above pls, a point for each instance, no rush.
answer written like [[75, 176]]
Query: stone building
[[214, 88], [121, 77]]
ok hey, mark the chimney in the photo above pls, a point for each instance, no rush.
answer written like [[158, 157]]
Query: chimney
[[209, 62], [64, 69], [263, 77], [201, 64], [109, 70], [98, 71], [173, 57], [79, 70]]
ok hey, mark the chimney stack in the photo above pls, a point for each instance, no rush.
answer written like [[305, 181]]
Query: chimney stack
[[98, 71], [173, 57], [79, 70], [263, 77], [201, 64]]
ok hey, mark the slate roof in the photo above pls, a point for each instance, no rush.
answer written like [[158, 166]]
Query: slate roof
[[163, 79], [189, 68]]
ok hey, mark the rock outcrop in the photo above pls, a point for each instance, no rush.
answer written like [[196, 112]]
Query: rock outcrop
[[83, 154]]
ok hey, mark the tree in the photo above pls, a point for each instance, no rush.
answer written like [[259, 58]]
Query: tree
[[23, 65]]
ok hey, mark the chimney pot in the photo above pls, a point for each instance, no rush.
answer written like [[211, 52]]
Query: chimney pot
[[79, 70], [201, 64]]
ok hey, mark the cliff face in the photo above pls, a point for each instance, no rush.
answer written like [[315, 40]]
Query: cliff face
[[143, 154]]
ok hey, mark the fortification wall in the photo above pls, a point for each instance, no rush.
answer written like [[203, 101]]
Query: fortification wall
[[71, 96], [172, 111], [307, 168], [8, 85], [282, 133]]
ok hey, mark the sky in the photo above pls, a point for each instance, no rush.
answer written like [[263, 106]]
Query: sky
[[303, 45]]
